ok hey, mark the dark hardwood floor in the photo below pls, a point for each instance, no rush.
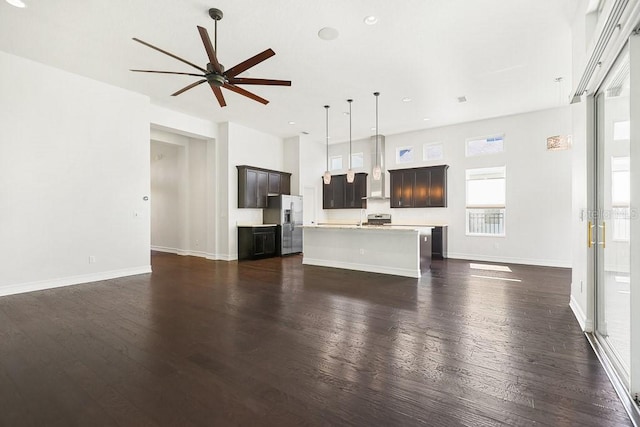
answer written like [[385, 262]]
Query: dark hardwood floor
[[271, 342]]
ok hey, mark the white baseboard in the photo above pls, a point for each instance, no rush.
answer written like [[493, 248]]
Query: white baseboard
[[362, 267], [223, 257], [510, 260], [72, 280], [201, 254], [581, 317]]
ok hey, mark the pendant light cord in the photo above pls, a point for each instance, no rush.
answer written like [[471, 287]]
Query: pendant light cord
[[376, 94], [349, 101], [326, 107]]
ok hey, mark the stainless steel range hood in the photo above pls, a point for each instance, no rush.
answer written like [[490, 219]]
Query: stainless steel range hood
[[377, 189]]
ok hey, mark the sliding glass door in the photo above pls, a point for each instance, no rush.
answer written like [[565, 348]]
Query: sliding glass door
[[610, 225]]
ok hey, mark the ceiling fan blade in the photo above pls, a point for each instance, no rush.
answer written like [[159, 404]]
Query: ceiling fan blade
[[191, 86], [246, 93], [218, 93], [168, 72], [211, 53], [251, 62], [170, 54], [251, 81]]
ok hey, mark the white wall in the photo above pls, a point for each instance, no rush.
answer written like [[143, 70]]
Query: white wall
[[305, 159], [74, 168], [538, 187], [167, 182], [179, 123], [240, 145]]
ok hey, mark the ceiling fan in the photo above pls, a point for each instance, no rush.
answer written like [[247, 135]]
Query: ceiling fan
[[215, 74]]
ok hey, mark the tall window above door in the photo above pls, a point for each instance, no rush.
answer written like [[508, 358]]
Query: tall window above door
[[486, 201]]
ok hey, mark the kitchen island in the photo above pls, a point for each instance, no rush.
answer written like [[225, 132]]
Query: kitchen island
[[402, 251]]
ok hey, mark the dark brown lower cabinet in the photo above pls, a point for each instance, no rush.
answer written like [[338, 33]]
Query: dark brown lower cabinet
[[255, 242], [439, 242]]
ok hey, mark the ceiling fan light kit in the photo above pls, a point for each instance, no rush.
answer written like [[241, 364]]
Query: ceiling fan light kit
[[214, 74]]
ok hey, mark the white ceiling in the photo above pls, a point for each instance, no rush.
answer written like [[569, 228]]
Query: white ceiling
[[503, 55]]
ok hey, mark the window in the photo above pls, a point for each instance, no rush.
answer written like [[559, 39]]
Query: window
[[335, 162], [432, 151], [620, 198], [357, 161], [485, 201], [482, 146], [404, 155], [622, 130]]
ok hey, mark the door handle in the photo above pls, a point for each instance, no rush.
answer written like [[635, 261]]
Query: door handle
[[604, 235], [590, 241]]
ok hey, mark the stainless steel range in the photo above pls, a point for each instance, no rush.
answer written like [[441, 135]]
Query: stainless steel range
[[378, 219]]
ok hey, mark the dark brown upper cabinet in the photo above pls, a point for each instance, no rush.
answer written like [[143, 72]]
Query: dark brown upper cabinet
[[255, 184], [419, 187], [339, 194]]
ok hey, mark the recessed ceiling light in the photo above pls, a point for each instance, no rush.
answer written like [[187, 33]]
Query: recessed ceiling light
[[17, 3], [426, 119], [370, 20], [373, 128], [328, 33], [292, 123], [406, 99]]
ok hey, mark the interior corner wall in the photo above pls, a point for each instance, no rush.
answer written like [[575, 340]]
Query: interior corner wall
[[312, 166], [304, 158], [291, 162], [74, 172], [223, 202]]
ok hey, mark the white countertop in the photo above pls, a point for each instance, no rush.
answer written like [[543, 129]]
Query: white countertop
[[369, 227], [256, 225]]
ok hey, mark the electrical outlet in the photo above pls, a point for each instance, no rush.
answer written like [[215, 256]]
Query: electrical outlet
[[361, 251], [92, 259]]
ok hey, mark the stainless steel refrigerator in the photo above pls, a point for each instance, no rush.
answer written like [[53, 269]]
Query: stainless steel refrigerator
[[286, 212]]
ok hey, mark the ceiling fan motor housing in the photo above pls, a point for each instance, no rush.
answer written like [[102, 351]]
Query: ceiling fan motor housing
[[216, 79], [215, 14]]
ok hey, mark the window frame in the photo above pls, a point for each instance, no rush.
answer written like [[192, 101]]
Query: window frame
[[486, 207], [331, 159], [425, 149]]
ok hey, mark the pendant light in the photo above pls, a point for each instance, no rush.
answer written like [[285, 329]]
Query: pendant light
[[326, 177], [377, 170], [351, 175]]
